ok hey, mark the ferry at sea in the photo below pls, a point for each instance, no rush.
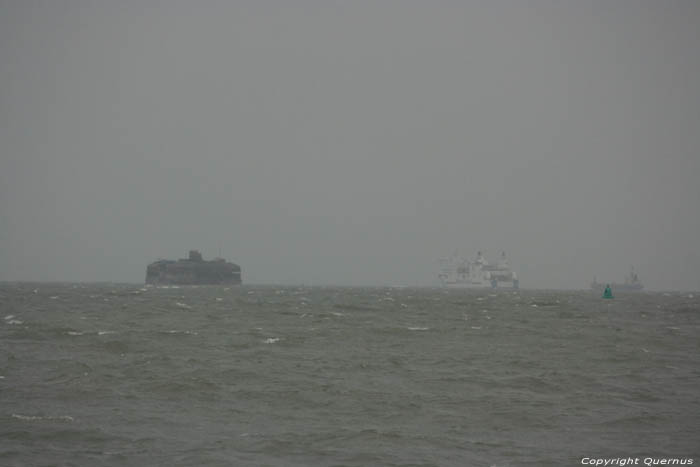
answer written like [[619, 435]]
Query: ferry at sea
[[459, 272]]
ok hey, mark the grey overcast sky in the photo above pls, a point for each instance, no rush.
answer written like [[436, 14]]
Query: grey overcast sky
[[351, 142]]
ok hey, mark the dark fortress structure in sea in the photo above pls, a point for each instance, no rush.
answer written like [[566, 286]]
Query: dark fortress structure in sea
[[193, 271]]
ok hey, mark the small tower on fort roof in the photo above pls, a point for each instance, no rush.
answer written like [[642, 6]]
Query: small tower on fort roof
[[195, 255]]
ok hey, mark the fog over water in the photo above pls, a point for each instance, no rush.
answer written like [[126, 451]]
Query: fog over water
[[351, 143]]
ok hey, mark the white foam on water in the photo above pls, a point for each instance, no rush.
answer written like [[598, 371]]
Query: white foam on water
[[9, 316], [75, 333], [335, 313], [183, 305], [175, 331], [15, 321], [102, 333], [54, 297], [26, 417], [476, 327], [64, 418], [271, 340], [219, 299], [418, 329]]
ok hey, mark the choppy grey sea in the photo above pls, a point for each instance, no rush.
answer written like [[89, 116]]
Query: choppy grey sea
[[124, 375]]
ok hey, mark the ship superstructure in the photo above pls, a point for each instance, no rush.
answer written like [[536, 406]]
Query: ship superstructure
[[459, 272], [631, 284], [193, 270]]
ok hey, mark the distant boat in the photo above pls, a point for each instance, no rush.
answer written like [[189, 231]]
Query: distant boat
[[457, 272], [631, 284], [193, 270]]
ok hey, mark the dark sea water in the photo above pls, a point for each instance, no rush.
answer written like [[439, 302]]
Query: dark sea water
[[120, 375]]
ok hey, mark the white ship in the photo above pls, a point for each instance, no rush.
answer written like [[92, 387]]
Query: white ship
[[459, 272]]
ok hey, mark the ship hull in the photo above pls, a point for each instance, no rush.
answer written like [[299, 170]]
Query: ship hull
[[618, 287], [482, 285], [193, 271], [466, 285]]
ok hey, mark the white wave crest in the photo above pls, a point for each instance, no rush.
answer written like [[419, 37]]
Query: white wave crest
[[29, 418]]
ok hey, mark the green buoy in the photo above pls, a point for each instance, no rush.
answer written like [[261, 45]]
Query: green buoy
[[608, 292]]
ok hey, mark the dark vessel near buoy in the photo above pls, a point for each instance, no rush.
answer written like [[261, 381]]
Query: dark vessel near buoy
[[631, 284], [193, 270]]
